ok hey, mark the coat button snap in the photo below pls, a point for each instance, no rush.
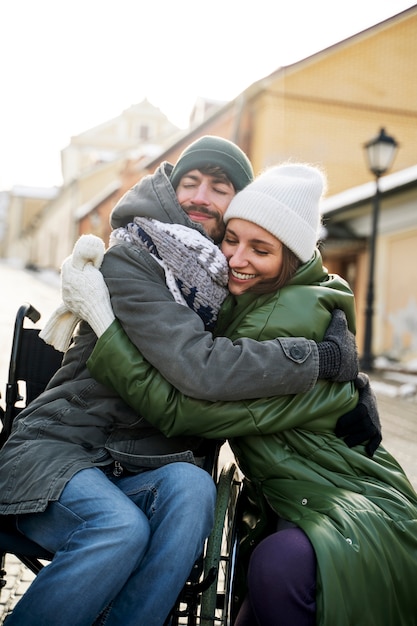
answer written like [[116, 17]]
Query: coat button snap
[[349, 541], [296, 352], [304, 501]]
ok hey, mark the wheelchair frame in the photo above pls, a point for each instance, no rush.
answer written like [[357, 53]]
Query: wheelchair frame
[[206, 598]]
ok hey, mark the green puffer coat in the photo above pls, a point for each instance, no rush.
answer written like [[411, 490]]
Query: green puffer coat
[[359, 513]]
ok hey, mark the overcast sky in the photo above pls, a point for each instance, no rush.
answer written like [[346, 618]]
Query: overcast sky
[[67, 66]]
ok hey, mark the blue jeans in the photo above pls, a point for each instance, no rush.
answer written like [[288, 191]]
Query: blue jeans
[[127, 542]]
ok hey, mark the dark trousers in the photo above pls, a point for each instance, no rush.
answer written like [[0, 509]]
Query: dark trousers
[[281, 582]]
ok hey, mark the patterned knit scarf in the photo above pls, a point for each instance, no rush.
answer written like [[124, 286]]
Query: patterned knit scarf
[[196, 271]]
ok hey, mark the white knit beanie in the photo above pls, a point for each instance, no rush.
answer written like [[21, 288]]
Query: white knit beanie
[[284, 200]]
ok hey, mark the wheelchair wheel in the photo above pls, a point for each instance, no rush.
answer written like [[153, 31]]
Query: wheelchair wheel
[[220, 558]]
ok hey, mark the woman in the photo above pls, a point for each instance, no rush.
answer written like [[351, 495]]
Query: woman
[[342, 528]]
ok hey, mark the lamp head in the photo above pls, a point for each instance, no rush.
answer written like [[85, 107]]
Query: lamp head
[[380, 152]]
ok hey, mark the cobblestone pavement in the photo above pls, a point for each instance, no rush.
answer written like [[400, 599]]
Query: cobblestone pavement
[[396, 393]]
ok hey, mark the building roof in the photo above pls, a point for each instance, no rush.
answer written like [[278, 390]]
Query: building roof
[[363, 193]]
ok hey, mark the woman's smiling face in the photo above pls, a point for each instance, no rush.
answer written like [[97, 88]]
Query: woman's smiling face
[[253, 254]]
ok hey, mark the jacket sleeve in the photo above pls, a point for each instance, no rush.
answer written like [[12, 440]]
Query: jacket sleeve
[[173, 339], [116, 363]]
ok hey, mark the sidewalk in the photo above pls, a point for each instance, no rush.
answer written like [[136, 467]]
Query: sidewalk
[[396, 393]]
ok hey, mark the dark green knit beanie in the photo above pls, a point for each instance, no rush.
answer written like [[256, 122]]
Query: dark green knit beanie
[[211, 150]]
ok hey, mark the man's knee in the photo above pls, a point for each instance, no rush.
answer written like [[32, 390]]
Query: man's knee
[[189, 493], [194, 481], [181, 473]]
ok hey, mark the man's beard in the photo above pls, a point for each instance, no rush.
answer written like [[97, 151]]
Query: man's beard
[[216, 230]]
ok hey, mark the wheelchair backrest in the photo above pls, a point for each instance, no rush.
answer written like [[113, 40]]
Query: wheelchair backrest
[[32, 365]]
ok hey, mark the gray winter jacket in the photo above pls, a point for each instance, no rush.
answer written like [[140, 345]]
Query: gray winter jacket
[[66, 428]]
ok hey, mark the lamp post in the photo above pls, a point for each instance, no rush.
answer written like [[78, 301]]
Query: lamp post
[[380, 153]]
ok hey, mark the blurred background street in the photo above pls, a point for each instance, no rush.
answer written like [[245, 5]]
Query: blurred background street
[[339, 95], [396, 391]]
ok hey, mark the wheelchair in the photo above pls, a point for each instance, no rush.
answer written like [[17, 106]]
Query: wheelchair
[[207, 597]]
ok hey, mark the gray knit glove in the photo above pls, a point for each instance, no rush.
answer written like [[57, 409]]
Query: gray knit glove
[[338, 354], [362, 424]]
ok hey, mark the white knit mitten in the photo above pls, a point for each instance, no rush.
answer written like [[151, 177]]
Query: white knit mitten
[[84, 293], [59, 329]]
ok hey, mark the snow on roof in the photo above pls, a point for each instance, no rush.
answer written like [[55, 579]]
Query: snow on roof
[[364, 192], [43, 193]]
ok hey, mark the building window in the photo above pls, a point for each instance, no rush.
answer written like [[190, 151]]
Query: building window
[[144, 132]]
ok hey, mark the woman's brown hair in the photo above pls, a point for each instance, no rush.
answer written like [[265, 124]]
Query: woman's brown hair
[[290, 264]]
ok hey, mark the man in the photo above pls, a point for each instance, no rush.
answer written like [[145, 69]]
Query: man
[[125, 542]]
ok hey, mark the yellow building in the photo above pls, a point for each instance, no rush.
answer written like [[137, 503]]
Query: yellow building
[[322, 110]]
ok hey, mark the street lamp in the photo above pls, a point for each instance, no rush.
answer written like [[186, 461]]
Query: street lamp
[[380, 153]]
